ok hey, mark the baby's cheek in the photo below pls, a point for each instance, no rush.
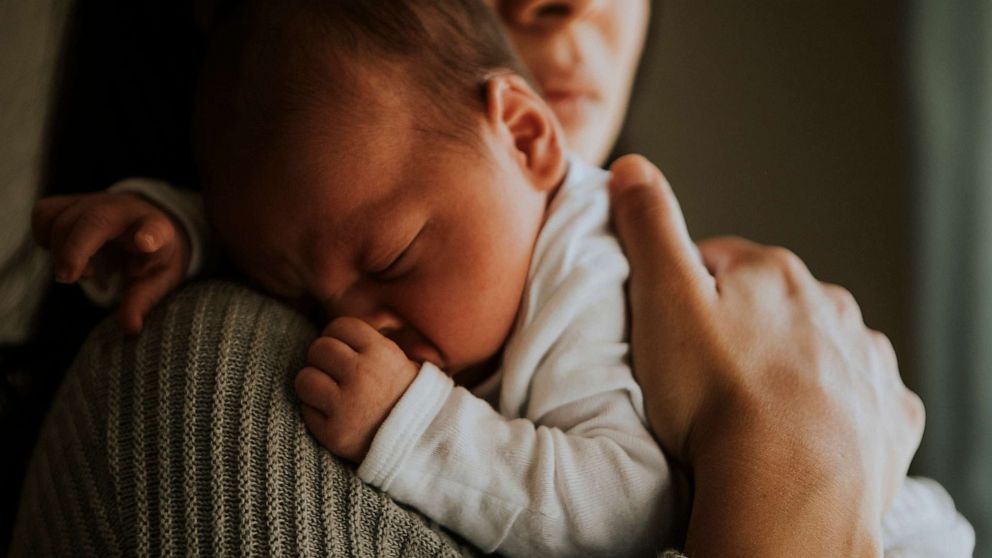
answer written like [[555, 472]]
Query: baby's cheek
[[471, 325]]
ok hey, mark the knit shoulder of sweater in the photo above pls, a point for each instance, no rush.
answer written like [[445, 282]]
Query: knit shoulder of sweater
[[187, 440]]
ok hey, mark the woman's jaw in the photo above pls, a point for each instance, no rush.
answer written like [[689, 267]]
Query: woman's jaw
[[584, 55]]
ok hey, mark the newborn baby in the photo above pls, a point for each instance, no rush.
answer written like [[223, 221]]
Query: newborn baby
[[389, 164]]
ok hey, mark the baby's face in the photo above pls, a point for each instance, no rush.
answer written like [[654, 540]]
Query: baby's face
[[427, 242]]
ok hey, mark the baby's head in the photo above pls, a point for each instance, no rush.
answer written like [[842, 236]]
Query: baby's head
[[385, 159]]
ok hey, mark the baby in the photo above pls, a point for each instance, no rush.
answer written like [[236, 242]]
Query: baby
[[388, 163]]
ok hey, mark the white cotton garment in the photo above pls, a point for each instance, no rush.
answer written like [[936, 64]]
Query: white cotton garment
[[566, 467], [551, 456], [923, 522]]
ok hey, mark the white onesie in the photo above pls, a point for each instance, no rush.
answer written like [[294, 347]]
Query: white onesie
[[566, 467], [551, 455]]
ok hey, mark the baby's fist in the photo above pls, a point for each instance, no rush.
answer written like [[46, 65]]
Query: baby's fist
[[354, 377]]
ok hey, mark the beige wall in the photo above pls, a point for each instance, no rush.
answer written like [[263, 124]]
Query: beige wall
[[786, 122], [30, 33]]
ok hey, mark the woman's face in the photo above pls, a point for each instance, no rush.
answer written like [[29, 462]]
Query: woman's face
[[583, 54]]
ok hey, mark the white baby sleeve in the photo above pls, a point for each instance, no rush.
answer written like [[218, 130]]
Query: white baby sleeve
[[923, 523], [510, 486]]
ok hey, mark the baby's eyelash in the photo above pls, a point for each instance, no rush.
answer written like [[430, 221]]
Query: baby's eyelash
[[391, 267], [395, 268]]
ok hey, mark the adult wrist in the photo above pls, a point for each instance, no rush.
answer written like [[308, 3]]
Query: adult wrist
[[768, 489]]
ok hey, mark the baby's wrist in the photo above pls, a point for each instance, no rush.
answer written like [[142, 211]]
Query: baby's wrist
[[404, 427]]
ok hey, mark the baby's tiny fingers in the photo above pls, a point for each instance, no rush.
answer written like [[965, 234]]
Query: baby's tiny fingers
[[154, 231], [65, 260], [332, 356], [313, 417], [43, 217], [91, 229], [316, 389], [142, 294], [319, 425], [358, 334]]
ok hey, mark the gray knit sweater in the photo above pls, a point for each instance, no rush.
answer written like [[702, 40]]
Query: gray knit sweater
[[187, 441]]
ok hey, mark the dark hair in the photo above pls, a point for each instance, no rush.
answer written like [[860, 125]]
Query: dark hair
[[268, 60]]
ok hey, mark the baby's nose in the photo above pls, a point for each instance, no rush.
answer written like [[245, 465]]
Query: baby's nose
[[383, 321], [364, 304]]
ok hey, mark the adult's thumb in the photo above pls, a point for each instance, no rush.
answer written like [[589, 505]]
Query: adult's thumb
[[652, 230]]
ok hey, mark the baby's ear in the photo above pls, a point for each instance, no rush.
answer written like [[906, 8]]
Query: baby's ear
[[520, 115]]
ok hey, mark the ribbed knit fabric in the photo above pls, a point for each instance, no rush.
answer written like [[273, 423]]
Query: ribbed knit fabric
[[187, 441]]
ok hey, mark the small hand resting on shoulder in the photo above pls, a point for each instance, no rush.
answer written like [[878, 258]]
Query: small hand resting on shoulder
[[354, 377], [110, 236]]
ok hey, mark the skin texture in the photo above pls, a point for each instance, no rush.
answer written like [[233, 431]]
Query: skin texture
[[406, 256], [583, 55], [789, 411]]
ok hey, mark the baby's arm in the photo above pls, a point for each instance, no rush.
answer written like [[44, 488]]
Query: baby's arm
[[142, 233], [587, 481], [584, 479]]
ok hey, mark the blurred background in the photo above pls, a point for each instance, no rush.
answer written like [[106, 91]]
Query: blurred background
[[858, 134]]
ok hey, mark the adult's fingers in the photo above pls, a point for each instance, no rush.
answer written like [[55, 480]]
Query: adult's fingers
[[651, 228]]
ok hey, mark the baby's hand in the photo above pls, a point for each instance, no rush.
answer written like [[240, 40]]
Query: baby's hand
[[354, 377], [137, 239]]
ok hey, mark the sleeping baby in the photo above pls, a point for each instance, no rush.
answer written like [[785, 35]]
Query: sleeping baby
[[389, 164]]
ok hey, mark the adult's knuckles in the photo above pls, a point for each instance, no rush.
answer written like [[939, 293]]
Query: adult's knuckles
[[915, 410], [884, 346], [788, 262], [846, 305]]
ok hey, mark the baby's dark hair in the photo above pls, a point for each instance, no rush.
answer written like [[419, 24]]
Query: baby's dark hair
[[268, 61]]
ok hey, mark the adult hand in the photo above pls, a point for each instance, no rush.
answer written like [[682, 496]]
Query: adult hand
[[789, 413]]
